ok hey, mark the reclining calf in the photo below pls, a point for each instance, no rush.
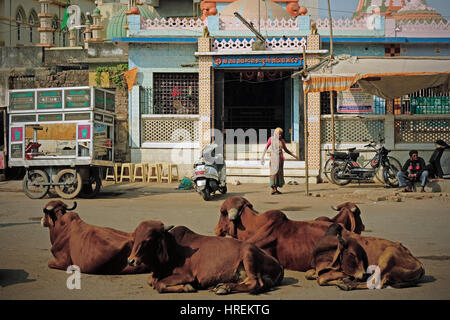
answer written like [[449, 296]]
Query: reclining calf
[[183, 261], [93, 249], [341, 258]]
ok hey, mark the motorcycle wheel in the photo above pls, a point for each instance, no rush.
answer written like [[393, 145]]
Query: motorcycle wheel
[[335, 179], [223, 190], [206, 194]]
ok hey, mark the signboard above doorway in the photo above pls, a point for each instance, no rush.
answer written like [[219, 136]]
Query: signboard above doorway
[[246, 61]]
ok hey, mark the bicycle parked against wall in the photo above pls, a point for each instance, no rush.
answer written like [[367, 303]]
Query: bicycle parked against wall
[[345, 168]]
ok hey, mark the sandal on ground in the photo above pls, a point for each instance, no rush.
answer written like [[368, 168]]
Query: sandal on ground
[[278, 192]]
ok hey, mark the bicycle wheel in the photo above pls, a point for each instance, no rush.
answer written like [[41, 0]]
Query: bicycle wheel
[[334, 175], [35, 191], [390, 172], [329, 164]]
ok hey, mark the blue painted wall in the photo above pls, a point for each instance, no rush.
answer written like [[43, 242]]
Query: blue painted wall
[[362, 49], [377, 49], [147, 57], [427, 50]]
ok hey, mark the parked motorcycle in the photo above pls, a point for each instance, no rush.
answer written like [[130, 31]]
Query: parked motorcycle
[[347, 169], [209, 173], [434, 167]]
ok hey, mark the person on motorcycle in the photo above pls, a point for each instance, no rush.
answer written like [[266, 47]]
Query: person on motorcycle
[[413, 170]]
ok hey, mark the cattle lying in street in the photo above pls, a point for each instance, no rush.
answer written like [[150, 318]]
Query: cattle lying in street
[[93, 249], [342, 258], [183, 261], [349, 216], [290, 242]]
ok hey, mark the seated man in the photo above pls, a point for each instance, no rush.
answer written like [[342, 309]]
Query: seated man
[[413, 170]]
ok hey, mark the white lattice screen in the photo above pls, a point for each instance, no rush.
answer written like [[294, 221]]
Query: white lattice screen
[[348, 131], [165, 130], [422, 131]]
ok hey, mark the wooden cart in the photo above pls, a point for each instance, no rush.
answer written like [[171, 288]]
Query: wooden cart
[[63, 137]]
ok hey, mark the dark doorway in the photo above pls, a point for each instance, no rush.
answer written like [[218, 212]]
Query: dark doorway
[[252, 99]]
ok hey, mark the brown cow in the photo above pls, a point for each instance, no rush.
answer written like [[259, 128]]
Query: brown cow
[[93, 249], [291, 242], [349, 216], [341, 258], [182, 261]]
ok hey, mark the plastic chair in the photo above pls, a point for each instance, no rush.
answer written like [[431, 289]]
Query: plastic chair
[[154, 172], [128, 176]]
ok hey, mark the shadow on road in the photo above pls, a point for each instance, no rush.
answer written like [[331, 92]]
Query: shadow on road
[[9, 277], [4, 225], [288, 281], [427, 279]]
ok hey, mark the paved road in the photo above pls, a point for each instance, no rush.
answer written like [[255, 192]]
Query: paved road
[[422, 225]]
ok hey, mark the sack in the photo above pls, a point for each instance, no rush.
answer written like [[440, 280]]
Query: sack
[[185, 184]]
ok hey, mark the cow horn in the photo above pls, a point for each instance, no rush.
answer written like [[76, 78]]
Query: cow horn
[[353, 209], [233, 214], [48, 211], [168, 228], [334, 208], [74, 206]]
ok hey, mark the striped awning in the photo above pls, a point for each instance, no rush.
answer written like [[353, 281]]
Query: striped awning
[[388, 78]]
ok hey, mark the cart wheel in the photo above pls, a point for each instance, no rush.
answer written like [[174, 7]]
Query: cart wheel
[[91, 189], [35, 192], [72, 189]]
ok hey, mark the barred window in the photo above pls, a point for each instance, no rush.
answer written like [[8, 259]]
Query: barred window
[[173, 93]]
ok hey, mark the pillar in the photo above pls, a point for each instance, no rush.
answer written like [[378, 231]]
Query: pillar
[[96, 27], [88, 34], [313, 43], [206, 107], [45, 25]]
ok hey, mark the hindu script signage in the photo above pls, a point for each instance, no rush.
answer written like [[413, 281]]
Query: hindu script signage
[[21, 101], [354, 101], [230, 61], [49, 99], [77, 98]]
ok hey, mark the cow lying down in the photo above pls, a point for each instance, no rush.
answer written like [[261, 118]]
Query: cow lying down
[[349, 216], [183, 261], [341, 258], [290, 242], [93, 249]]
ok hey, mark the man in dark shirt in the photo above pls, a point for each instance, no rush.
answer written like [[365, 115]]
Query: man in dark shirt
[[413, 170]]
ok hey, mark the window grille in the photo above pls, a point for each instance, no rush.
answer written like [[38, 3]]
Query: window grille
[[172, 93], [422, 131]]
